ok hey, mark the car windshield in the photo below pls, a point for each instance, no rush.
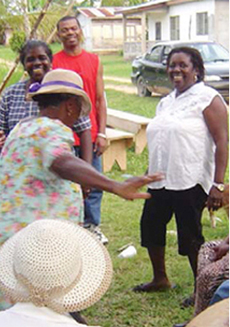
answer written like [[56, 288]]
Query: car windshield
[[212, 52]]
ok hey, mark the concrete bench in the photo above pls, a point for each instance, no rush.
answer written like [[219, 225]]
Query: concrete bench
[[117, 142], [132, 123]]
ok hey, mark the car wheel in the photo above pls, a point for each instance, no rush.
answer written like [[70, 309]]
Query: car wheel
[[142, 91]]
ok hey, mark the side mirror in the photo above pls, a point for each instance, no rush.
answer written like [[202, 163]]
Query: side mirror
[[164, 62]]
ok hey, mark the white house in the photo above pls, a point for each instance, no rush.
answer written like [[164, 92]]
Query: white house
[[103, 29], [179, 20]]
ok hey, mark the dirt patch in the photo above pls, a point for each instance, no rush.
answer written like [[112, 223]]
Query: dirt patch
[[121, 88], [118, 79]]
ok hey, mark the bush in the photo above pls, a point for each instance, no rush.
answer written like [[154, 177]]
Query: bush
[[2, 32], [17, 40]]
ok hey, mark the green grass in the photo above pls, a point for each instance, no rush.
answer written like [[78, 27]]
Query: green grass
[[116, 66], [55, 47], [120, 307], [132, 103], [7, 54]]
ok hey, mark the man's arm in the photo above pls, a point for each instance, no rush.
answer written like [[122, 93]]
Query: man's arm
[[86, 147], [101, 110], [3, 119], [82, 128]]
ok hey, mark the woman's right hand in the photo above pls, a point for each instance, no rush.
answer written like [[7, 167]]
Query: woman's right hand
[[69, 167], [215, 199], [2, 138], [129, 188]]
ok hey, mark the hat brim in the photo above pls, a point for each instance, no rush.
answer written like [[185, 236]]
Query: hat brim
[[93, 282], [53, 89]]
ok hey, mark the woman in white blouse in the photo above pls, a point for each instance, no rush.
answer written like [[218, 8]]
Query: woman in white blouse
[[187, 141]]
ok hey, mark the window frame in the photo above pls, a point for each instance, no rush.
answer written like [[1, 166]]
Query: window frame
[[175, 30]]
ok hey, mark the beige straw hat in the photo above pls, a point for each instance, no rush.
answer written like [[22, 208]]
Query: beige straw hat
[[62, 81], [56, 264]]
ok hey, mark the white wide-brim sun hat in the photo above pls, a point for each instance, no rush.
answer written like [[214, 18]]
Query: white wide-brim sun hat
[[55, 263], [62, 81]]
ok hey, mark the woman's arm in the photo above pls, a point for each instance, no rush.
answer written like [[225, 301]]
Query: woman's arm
[[2, 139], [216, 119], [67, 166]]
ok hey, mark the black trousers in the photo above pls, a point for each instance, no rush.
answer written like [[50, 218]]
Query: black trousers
[[187, 205]]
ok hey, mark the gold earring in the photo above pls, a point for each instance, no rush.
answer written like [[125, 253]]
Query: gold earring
[[195, 78]]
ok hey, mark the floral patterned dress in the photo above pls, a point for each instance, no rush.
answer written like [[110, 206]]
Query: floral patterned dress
[[28, 189]]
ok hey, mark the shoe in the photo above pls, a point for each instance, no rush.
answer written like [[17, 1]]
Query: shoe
[[104, 240], [97, 231], [183, 324], [188, 302], [78, 317]]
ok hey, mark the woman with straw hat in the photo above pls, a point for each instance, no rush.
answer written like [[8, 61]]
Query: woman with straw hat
[[50, 268], [38, 170]]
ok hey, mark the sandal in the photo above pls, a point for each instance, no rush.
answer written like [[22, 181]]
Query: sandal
[[188, 302]]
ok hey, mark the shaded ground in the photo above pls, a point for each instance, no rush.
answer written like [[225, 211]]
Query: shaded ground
[[123, 87]]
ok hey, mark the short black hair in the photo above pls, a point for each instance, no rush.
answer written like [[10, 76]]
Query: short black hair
[[195, 57], [65, 18], [31, 44]]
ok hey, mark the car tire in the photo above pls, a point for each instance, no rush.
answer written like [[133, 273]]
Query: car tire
[[142, 91]]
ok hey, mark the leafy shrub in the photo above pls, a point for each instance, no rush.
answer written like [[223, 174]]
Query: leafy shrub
[[2, 32], [17, 40]]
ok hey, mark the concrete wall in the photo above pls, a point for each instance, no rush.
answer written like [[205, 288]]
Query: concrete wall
[[86, 25], [107, 34], [221, 22]]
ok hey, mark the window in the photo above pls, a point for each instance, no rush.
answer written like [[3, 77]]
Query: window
[[155, 54], [166, 51], [175, 28], [202, 23], [158, 31]]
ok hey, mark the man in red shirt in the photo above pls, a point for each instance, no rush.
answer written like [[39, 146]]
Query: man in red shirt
[[88, 66]]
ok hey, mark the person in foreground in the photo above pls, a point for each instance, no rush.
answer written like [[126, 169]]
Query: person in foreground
[[38, 169], [188, 142], [50, 268]]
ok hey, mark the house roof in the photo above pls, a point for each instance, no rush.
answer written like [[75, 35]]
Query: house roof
[[152, 5], [97, 13]]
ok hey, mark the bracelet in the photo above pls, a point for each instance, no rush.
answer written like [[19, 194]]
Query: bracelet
[[102, 135]]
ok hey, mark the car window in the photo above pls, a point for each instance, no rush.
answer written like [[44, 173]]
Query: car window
[[212, 52], [155, 54], [166, 51]]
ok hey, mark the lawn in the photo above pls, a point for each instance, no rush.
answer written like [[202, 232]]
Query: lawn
[[121, 307], [116, 66]]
